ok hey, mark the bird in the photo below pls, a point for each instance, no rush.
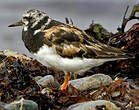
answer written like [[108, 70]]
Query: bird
[[64, 47]]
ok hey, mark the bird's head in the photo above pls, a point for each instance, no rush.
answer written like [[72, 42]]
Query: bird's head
[[30, 18]]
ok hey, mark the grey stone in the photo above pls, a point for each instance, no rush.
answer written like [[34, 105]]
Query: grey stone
[[44, 81], [2, 106], [91, 82], [22, 105], [91, 105], [137, 108], [48, 81], [37, 78]]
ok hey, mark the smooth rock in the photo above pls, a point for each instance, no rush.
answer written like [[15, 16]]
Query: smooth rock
[[94, 105], [22, 105], [91, 82], [48, 81], [137, 108], [2, 106], [37, 78]]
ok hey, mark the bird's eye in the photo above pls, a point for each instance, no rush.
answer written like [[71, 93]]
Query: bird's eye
[[39, 14], [27, 18]]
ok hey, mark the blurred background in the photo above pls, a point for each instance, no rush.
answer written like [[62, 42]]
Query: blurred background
[[109, 13]]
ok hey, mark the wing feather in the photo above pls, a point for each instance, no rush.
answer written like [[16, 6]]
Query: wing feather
[[69, 41]]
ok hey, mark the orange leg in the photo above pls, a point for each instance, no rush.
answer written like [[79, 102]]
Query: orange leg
[[66, 80]]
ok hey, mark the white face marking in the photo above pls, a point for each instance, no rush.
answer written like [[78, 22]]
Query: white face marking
[[36, 31], [26, 22], [47, 23], [25, 28], [33, 17], [38, 19], [43, 26], [27, 15]]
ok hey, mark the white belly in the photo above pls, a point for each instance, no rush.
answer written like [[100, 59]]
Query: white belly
[[48, 57]]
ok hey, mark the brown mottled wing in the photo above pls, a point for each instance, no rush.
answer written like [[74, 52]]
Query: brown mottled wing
[[69, 41]]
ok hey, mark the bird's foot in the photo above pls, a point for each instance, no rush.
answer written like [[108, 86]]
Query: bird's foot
[[66, 81]]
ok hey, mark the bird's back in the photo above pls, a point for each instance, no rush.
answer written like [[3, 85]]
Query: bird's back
[[70, 42]]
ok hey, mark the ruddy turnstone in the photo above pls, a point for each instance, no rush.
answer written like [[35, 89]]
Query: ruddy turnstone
[[62, 46]]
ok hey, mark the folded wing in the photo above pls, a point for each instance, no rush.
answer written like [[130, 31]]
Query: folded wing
[[69, 42]]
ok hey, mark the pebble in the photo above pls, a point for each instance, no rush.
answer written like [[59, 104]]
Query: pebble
[[137, 108], [37, 78], [21, 105], [91, 82], [48, 81], [94, 105]]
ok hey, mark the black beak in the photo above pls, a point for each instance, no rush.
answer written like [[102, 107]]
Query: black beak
[[19, 23]]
